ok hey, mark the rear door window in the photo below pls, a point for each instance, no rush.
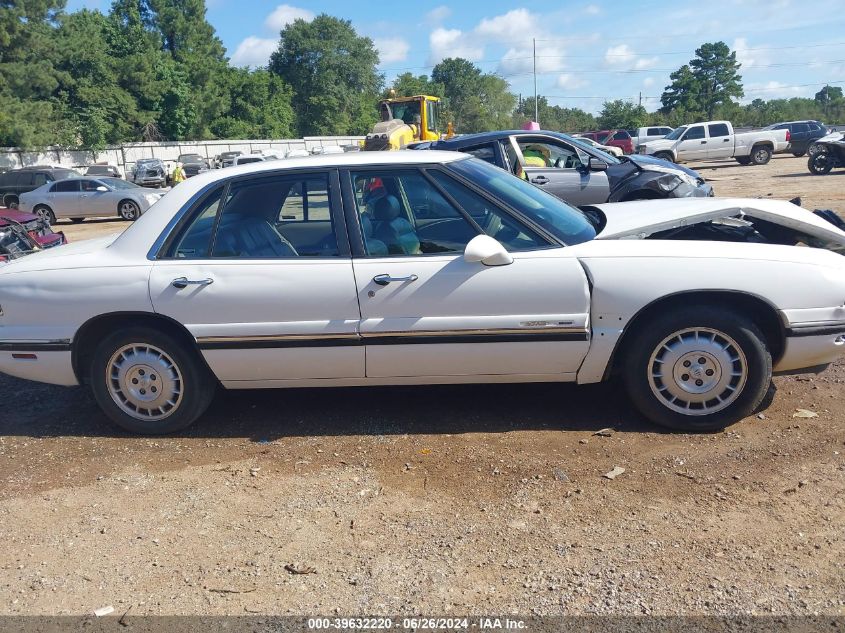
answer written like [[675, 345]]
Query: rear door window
[[718, 129], [65, 186], [801, 128]]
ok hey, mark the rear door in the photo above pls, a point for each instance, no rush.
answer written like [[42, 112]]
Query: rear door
[[719, 141], [268, 298], [63, 198], [561, 169]]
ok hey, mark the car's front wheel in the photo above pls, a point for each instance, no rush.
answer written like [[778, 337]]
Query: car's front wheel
[[148, 382], [129, 210], [698, 369]]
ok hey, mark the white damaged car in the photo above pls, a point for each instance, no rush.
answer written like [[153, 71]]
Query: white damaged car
[[396, 268]]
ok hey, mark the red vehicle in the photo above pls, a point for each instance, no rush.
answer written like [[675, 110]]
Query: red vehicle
[[23, 233], [615, 138]]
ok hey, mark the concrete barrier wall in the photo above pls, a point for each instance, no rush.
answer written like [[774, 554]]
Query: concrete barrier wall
[[125, 156]]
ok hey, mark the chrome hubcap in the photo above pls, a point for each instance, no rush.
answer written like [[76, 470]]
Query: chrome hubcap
[[697, 371], [144, 382], [128, 211]]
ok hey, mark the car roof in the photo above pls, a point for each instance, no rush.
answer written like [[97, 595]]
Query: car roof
[[465, 140]]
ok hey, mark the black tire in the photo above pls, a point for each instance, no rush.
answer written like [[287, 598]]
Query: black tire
[[655, 398], [77, 220], [743, 160], [195, 382], [667, 156], [128, 210], [10, 202], [45, 213], [820, 163], [760, 155]]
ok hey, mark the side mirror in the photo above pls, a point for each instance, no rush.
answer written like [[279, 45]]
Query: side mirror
[[102, 188], [484, 249], [596, 164]]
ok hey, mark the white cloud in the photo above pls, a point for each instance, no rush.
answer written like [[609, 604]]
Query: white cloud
[[254, 51], [521, 60], [516, 25], [438, 14], [592, 9], [569, 82], [392, 49], [749, 58], [285, 14], [445, 43], [774, 90], [618, 55], [646, 62], [648, 82]]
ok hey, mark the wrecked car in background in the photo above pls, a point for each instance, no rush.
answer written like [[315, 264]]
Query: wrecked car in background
[[23, 233], [827, 152], [574, 171]]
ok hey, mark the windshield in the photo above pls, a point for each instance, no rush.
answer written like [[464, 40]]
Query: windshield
[[676, 134], [566, 223], [117, 183], [407, 111]]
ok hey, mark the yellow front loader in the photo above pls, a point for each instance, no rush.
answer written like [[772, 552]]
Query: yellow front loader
[[405, 120]]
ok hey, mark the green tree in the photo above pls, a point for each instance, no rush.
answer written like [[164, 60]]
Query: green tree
[[622, 114], [332, 71], [260, 107], [710, 81], [474, 101], [829, 94], [409, 85]]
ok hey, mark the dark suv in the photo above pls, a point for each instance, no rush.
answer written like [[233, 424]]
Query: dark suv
[[192, 164], [802, 134], [14, 183]]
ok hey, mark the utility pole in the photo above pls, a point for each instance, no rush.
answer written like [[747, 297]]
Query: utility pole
[[536, 104], [641, 97]]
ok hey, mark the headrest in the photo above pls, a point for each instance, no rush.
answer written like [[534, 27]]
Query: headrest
[[386, 208], [366, 225]]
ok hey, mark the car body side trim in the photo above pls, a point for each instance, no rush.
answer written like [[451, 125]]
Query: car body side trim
[[61, 345], [395, 338], [815, 329]]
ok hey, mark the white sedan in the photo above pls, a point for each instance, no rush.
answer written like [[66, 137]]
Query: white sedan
[[396, 268], [80, 198]]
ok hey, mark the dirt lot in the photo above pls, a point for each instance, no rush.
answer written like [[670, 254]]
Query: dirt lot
[[440, 500]]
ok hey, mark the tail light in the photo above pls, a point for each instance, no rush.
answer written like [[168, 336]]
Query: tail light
[[788, 136]]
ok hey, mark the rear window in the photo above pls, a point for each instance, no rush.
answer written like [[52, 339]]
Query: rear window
[[485, 152], [621, 135], [719, 129], [61, 174], [654, 131], [65, 186]]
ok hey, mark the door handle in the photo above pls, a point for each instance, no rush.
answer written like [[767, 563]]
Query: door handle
[[383, 280], [184, 282], [540, 180], [703, 142], [727, 140]]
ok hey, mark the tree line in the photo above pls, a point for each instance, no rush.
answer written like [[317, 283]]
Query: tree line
[[152, 70]]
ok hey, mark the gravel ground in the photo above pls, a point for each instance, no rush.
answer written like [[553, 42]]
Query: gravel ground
[[437, 500]]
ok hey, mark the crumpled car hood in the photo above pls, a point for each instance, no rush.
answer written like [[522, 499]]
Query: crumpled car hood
[[644, 161], [644, 217]]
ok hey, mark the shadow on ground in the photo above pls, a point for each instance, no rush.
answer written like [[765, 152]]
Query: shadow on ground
[[39, 410]]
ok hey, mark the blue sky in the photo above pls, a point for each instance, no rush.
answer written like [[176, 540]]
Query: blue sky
[[588, 51]]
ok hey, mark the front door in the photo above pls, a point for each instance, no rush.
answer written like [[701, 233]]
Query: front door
[[693, 145], [561, 169], [262, 277], [94, 202], [427, 312]]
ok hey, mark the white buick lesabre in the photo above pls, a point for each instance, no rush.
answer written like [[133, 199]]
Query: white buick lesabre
[[426, 267]]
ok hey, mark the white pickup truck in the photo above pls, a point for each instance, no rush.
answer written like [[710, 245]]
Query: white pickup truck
[[642, 135], [716, 139]]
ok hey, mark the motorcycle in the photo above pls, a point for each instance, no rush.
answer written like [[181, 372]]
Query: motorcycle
[[826, 153]]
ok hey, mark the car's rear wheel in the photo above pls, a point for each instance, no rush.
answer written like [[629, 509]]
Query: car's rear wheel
[[148, 382], [761, 155], [45, 213], [10, 202], [129, 210], [698, 369]]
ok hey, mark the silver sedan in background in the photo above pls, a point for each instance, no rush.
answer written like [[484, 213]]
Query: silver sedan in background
[[80, 198]]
